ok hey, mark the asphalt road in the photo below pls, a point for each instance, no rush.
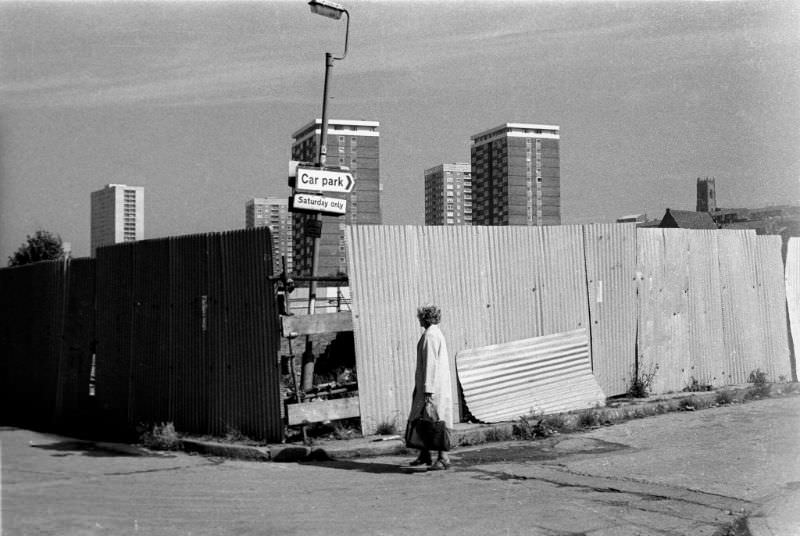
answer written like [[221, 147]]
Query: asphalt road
[[682, 473]]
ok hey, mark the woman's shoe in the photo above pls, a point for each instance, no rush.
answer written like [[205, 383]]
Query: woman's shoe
[[418, 462], [439, 465]]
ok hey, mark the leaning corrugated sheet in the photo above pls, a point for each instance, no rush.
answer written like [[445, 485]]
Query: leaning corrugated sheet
[[793, 295], [549, 374], [611, 282], [494, 285]]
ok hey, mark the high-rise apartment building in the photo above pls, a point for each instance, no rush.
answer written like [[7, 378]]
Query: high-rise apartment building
[[448, 195], [273, 212], [117, 215], [354, 144], [516, 177]]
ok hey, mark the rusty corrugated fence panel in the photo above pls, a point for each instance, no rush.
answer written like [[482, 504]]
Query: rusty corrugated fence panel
[[244, 323], [611, 283], [73, 411], [188, 354], [494, 285], [114, 324], [772, 308], [682, 304], [793, 297], [548, 374], [188, 332], [33, 299], [755, 328], [706, 337]]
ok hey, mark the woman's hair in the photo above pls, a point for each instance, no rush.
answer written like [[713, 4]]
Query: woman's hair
[[429, 314]]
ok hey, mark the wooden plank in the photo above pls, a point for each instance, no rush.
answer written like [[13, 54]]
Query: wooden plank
[[317, 323], [322, 410]]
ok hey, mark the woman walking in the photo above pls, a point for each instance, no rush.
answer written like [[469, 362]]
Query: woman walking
[[432, 382]]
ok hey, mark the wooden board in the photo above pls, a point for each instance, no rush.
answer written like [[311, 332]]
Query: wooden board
[[297, 325], [322, 410]]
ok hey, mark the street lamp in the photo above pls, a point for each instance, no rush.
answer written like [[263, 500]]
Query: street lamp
[[332, 10]]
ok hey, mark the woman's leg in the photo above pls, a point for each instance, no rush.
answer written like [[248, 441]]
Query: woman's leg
[[424, 458]]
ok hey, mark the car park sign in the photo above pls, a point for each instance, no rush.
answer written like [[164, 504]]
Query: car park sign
[[323, 180]]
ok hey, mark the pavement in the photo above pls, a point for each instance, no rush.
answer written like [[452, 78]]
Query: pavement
[[777, 516]]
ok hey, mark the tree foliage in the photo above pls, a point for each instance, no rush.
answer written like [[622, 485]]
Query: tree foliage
[[42, 246]]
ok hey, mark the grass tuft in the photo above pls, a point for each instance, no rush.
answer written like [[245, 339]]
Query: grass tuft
[[386, 428], [162, 437]]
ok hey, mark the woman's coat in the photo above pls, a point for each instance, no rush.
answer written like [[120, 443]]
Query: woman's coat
[[433, 375]]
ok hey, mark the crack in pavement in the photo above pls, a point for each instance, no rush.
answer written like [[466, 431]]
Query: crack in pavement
[[645, 496]]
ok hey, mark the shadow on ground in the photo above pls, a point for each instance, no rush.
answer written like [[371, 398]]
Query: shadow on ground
[[365, 467], [83, 448]]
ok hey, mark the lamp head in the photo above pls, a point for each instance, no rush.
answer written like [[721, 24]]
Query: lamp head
[[326, 8]]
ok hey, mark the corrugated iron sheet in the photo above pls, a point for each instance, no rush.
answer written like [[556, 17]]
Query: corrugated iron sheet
[[188, 332], [611, 282], [33, 299], [710, 307], [753, 310], [548, 374], [494, 285], [793, 296]]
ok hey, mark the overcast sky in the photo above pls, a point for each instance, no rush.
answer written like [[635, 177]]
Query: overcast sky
[[197, 101]]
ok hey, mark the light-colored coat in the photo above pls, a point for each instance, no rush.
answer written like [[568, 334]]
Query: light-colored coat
[[433, 375]]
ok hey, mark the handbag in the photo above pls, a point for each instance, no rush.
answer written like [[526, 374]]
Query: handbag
[[428, 432]]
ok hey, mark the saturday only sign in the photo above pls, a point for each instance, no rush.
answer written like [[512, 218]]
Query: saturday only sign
[[318, 203]]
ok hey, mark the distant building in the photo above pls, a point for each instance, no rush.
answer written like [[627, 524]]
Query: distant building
[[686, 219], [633, 218], [783, 220], [706, 195], [448, 195], [117, 215], [273, 212], [516, 178], [354, 144]]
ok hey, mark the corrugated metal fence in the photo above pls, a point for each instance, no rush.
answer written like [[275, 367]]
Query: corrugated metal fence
[[46, 329], [186, 331], [494, 285], [702, 305]]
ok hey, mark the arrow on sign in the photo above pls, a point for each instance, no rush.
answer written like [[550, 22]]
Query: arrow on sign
[[324, 180]]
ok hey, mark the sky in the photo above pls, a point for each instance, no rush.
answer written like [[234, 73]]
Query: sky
[[197, 102]]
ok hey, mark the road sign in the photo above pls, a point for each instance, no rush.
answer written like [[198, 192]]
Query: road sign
[[323, 180], [318, 203]]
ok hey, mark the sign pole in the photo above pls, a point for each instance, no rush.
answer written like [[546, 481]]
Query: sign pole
[[316, 225]]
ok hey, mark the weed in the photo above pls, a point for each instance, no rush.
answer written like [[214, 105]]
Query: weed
[[162, 437], [233, 435], [498, 434], [556, 422], [642, 383], [386, 428], [690, 403], [760, 383], [723, 398], [588, 419], [534, 426], [695, 386]]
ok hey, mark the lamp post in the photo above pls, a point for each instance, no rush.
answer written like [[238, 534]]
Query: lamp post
[[332, 10]]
